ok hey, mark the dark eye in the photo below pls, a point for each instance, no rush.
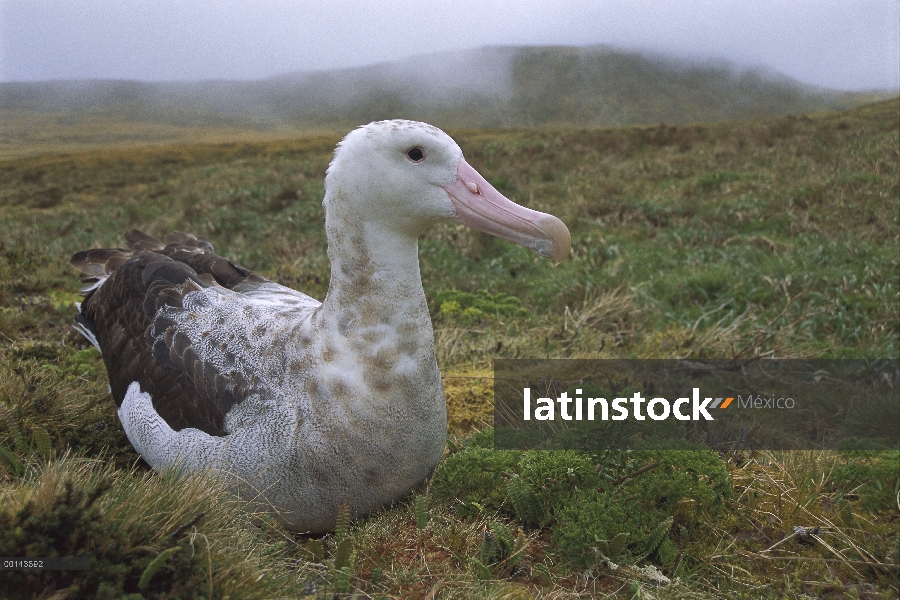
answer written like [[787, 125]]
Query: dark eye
[[415, 154]]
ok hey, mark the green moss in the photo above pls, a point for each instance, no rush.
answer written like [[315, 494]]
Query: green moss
[[101, 438], [556, 477], [469, 308], [481, 439], [618, 505], [873, 476], [473, 479], [587, 526], [685, 488]]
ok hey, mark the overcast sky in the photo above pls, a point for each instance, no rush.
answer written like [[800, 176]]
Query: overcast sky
[[845, 44]]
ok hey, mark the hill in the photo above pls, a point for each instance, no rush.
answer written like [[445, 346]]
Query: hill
[[493, 87]]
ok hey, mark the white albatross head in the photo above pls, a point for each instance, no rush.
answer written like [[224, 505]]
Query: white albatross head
[[408, 175]]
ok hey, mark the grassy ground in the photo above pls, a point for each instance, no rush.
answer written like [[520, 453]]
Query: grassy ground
[[26, 132], [774, 238]]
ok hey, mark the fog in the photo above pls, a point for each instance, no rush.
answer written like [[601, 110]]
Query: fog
[[849, 45]]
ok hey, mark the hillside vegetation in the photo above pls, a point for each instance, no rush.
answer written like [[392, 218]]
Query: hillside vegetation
[[488, 87], [777, 237]]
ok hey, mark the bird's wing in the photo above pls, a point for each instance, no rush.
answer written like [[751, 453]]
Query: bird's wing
[[199, 334]]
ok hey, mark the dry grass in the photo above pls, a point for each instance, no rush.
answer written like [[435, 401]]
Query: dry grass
[[791, 523]]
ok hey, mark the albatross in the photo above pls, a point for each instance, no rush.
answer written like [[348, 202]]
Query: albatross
[[301, 405]]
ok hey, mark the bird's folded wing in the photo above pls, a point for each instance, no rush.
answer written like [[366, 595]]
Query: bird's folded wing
[[202, 351], [237, 347]]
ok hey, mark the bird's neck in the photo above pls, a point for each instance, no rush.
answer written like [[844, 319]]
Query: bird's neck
[[375, 302], [373, 335]]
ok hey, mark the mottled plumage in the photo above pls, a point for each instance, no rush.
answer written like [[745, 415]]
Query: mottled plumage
[[304, 405]]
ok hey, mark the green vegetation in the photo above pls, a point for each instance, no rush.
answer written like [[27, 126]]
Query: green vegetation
[[480, 306], [769, 238], [616, 506]]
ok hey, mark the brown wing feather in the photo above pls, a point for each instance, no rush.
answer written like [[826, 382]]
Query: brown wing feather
[[138, 240], [186, 391]]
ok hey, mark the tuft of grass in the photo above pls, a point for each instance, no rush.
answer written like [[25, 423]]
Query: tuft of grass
[[141, 533]]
